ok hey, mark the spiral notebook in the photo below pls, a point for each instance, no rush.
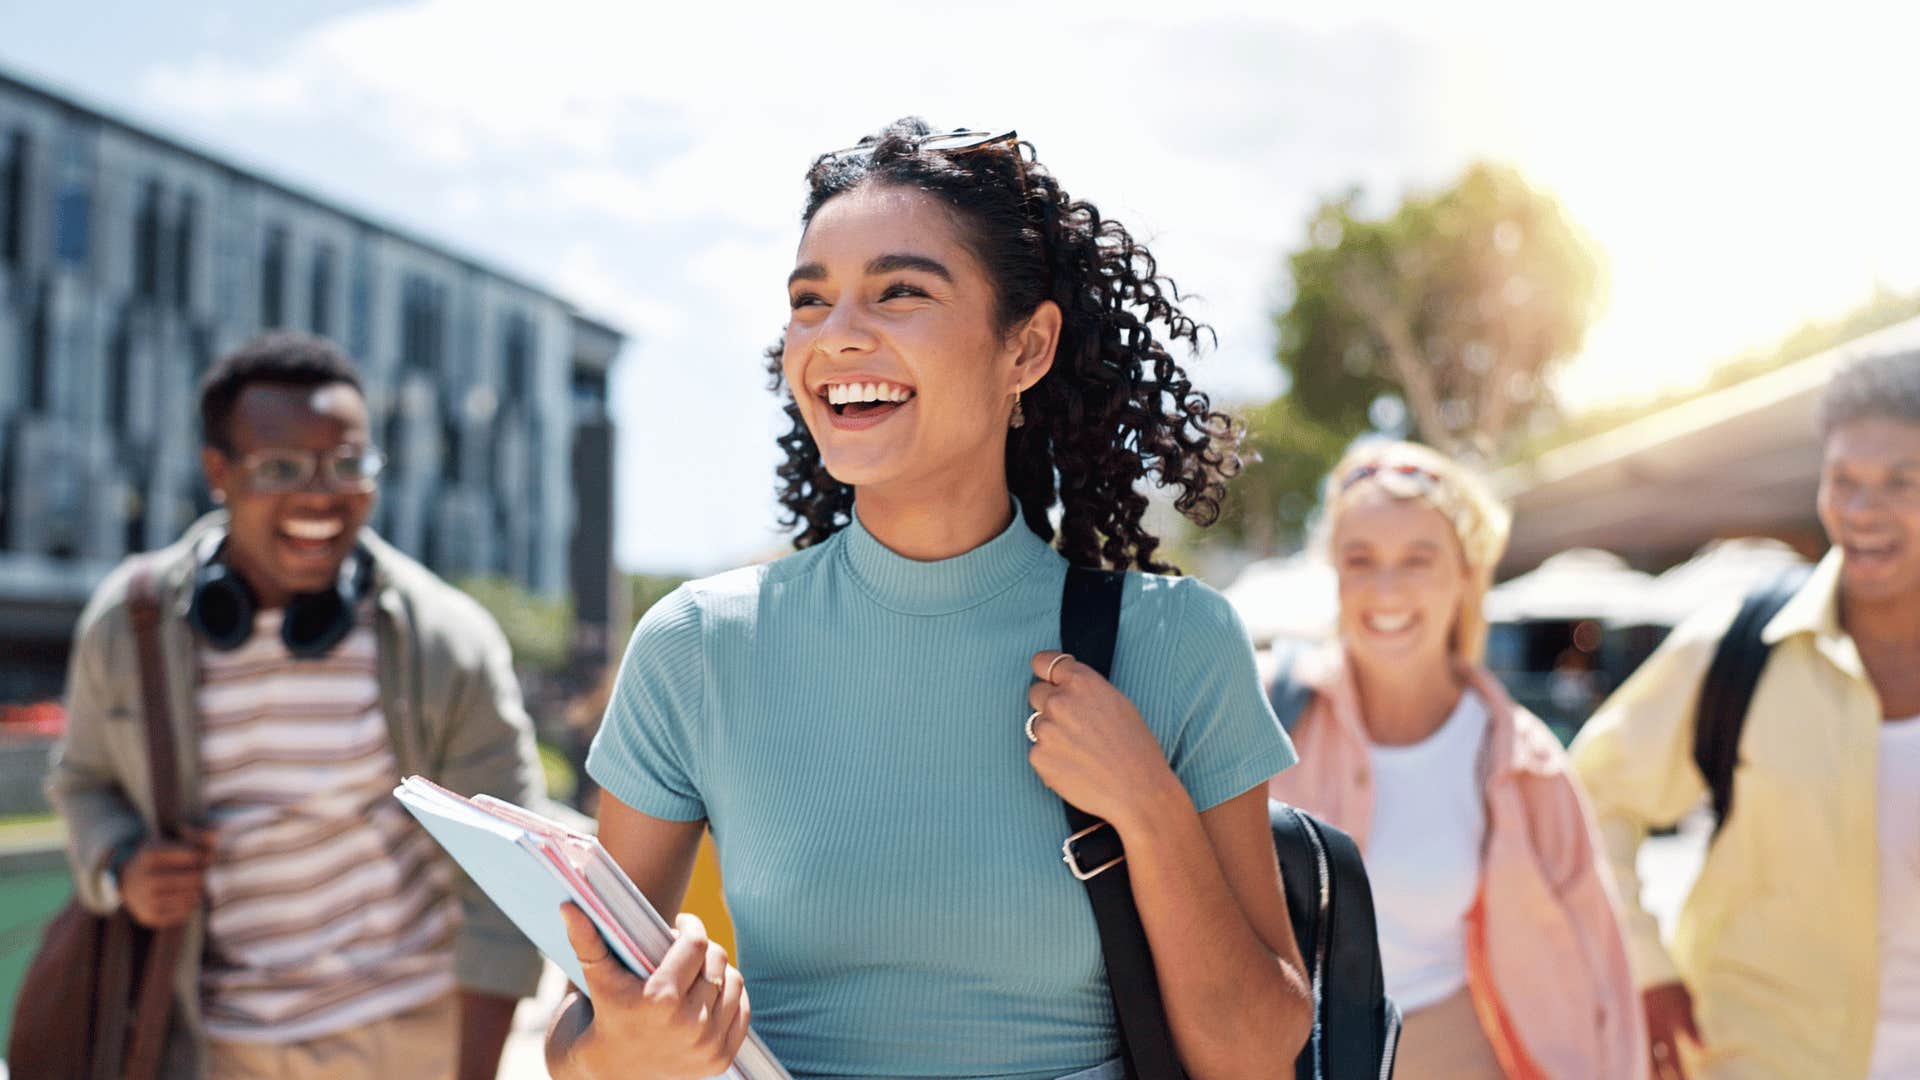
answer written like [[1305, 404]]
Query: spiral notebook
[[529, 865]]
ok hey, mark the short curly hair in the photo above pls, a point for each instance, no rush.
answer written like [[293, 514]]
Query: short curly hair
[[1885, 387], [1115, 410], [282, 358]]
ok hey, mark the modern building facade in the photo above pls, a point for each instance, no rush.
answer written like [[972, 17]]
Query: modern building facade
[[129, 261]]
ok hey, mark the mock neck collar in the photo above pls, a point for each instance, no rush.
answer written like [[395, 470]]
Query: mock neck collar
[[941, 586]]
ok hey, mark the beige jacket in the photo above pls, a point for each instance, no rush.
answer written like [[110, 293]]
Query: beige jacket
[[1777, 940], [452, 706]]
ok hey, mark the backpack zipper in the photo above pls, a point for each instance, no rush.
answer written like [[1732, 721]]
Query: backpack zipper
[[1392, 1042]]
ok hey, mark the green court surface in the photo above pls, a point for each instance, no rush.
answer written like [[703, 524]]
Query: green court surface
[[33, 886]]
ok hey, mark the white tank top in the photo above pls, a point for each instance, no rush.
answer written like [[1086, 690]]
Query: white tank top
[[1423, 855]]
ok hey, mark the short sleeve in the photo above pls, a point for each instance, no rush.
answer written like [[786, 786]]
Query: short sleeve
[[1228, 741], [647, 751]]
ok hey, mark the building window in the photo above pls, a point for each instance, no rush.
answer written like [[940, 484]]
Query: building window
[[185, 228], [39, 388], [73, 203], [423, 319], [146, 243], [273, 278], [360, 303], [520, 353], [71, 208], [13, 199], [320, 299]]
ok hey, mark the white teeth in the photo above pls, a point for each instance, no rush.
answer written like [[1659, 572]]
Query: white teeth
[[1389, 624], [312, 530], [850, 393]]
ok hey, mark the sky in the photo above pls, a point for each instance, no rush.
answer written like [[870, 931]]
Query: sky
[[1740, 172]]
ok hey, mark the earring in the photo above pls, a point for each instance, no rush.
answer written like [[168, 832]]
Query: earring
[[219, 497], [1019, 418]]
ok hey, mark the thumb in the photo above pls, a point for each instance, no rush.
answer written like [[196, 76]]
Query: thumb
[[597, 965]]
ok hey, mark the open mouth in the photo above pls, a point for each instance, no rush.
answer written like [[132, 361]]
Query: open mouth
[[1387, 624], [865, 400], [311, 536], [1875, 554]]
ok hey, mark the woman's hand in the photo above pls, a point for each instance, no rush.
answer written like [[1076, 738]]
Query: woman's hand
[[1091, 745], [686, 1021]]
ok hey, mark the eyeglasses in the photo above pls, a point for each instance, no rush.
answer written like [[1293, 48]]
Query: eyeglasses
[[350, 469], [1409, 475], [954, 142]]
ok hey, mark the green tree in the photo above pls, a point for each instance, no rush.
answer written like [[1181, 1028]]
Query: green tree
[[1458, 304], [1444, 317]]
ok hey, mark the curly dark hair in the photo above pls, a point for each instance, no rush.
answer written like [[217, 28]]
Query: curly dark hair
[[281, 357], [1114, 410]]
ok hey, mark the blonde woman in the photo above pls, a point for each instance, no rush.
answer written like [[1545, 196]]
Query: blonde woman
[[1498, 935]]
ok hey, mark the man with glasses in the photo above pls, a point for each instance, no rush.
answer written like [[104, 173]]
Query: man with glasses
[[1797, 953], [320, 666]]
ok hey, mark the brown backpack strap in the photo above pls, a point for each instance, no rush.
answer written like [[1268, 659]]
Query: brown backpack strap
[[155, 994]]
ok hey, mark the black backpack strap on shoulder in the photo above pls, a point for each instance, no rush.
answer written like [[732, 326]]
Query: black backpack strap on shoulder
[[1727, 691], [1355, 1025], [1288, 695], [1089, 629]]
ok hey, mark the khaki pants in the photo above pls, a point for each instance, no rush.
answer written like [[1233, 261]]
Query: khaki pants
[[1444, 1041], [420, 1044]]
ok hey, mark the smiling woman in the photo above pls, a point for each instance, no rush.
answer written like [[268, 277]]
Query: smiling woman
[[879, 729]]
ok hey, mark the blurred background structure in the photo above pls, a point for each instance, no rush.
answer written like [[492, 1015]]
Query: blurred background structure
[[130, 260]]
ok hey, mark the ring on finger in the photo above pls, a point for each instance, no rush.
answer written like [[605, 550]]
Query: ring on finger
[[1031, 737], [1054, 663]]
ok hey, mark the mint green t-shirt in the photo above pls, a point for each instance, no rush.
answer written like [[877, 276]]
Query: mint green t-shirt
[[848, 721]]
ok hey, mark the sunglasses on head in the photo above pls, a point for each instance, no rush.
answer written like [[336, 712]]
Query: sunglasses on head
[[1423, 479], [953, 142]]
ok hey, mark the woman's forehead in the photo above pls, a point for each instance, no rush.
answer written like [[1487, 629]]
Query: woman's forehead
[[878, 218], [1375, 516]]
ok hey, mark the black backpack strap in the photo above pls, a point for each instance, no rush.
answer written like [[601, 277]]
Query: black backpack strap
[[1288, 695], [1727, 691], [1330, 902], [1089, 628]]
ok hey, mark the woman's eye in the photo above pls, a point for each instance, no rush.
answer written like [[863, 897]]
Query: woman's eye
[[899, 290], [804, 300]]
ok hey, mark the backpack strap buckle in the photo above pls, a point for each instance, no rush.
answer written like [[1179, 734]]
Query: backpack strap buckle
[[1071, 856]]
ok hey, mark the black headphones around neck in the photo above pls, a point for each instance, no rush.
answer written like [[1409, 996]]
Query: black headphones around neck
[[223, 606]]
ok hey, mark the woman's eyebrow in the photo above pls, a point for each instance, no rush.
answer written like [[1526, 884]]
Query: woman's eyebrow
[[888, 264], [807, 272]]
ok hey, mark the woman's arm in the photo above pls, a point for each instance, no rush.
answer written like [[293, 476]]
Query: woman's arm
[[690, 1018], [1208, 889], [1207, 885]]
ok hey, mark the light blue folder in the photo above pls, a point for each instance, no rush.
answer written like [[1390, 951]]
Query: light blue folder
[[505, 860]]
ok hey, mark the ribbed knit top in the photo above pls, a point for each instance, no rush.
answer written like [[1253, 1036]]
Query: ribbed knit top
[[848, 721]]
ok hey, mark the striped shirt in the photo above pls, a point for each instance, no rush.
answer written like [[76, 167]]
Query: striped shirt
[[328, 906]]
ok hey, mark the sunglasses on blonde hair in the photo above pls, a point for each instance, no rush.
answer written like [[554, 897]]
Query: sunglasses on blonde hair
[[1423, 479]]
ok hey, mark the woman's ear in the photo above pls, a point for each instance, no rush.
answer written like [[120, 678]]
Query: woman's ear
[[1034, 345]]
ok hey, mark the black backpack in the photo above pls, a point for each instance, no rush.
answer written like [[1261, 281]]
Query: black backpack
[[1356, 1028], [1726, 693]]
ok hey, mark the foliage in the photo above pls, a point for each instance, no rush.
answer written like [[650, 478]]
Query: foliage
[[1459, 304], [540, 630], [646, 590], [1446, 315]]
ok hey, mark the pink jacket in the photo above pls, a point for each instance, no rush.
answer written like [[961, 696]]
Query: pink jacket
[[1546, 964]]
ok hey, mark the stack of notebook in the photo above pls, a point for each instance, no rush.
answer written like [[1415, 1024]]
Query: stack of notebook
[[530, 865]]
